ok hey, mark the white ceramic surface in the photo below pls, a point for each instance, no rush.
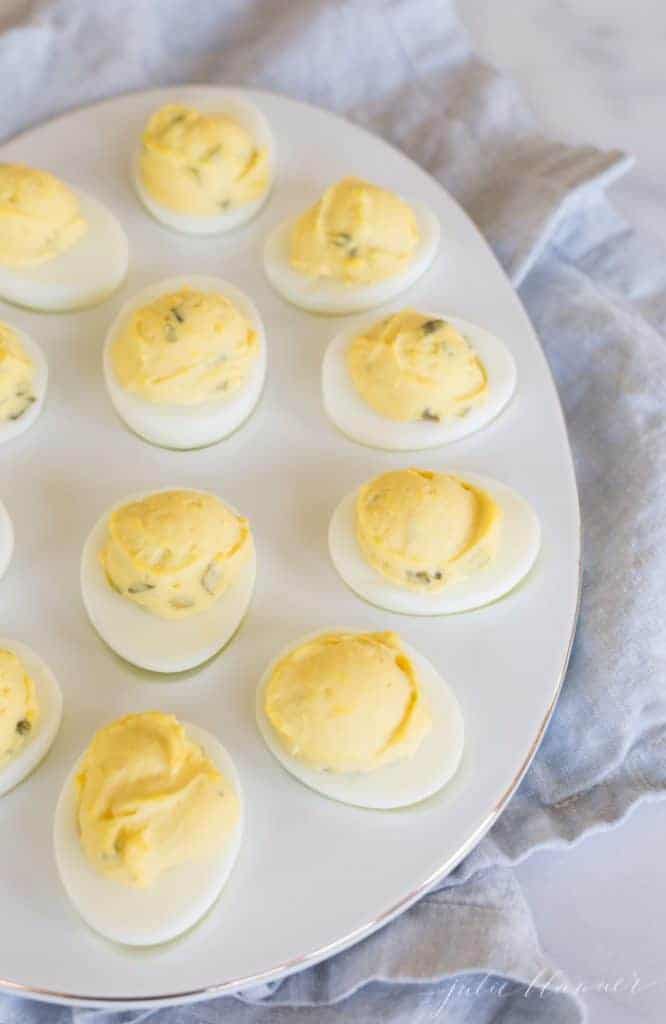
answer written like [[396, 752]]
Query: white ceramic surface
[[308, 882]]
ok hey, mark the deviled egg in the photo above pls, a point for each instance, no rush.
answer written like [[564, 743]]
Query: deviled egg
[[23, 380], [357, 247], [427, 543], [361, 718], [6, 540], [207, 167], [167, 577], [30, 712], [148, 827], [415, 380], [60, 249], [185, 361]]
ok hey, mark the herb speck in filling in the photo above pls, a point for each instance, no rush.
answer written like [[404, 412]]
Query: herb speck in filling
[[140, 588], [430, 326], [424, 577]]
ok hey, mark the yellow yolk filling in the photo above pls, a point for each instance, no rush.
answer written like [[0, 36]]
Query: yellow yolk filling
[[424, 530], [357, 233], [200, 164], [348, 702], [17, 372], [39, 216], [185, 348], [19, 710], [413, 367], [149, 799], [175, 552]]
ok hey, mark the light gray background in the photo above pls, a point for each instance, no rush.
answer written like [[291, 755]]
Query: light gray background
[[593, 71]]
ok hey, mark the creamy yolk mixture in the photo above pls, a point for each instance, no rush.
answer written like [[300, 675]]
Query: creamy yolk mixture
[[185, 348], [149, 799], [200, 164], [412, 367], [19, 710], [357, 233], [175, 552], [424, 530], [17, 372], [39, 216], [348, 702]]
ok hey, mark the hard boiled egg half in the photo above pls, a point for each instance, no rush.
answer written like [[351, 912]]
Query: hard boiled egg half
[[30, 712], [148, 828], [167, 577], [185, 361], [60, 249], [413, 380], [426, 543], [362, 718], [205, 164], [6, 540], [357, 247], [23, 379]]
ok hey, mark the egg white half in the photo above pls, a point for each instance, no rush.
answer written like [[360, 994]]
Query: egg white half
[[145, 639], [322, 295], [360, 422], [520, 540], [179, 898], [396, 785], [39, 740], [10, 429], [254, 122], [83, 276], [187, 426], [6, 540]]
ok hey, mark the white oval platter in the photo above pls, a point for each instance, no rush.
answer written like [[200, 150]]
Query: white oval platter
[[313, 875]]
